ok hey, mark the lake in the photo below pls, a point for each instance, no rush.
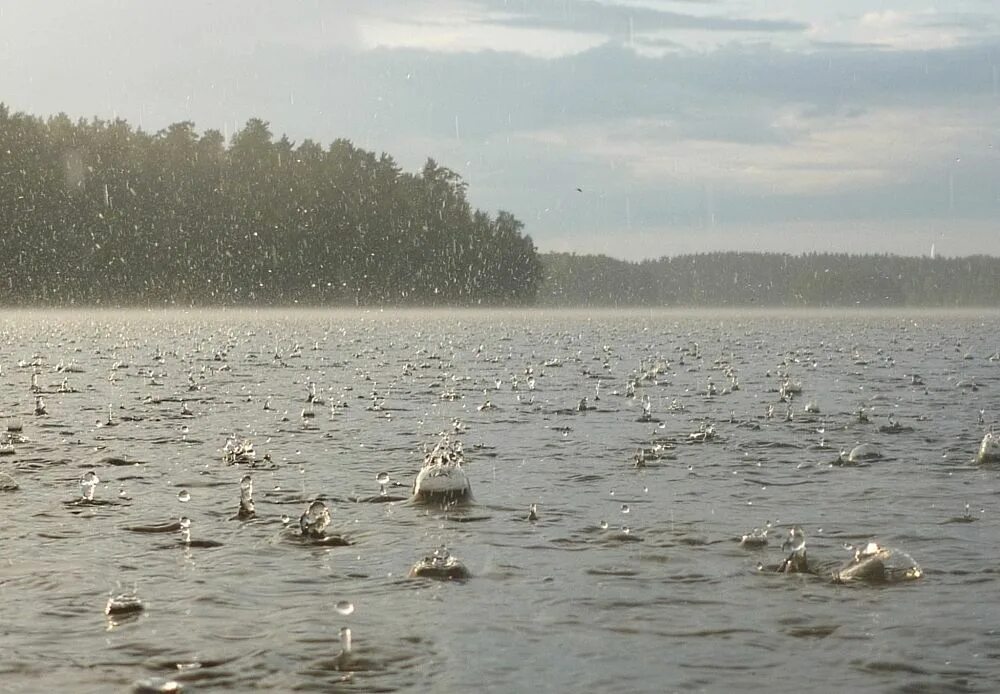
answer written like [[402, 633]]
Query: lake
[[632, 577]]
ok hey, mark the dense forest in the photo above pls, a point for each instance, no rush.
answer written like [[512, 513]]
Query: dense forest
[[771, 279], [99, 212]]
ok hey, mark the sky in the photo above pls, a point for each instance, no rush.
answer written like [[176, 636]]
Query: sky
[[633, 128]]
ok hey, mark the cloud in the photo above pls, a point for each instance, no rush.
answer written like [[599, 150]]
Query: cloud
[[621, 20]]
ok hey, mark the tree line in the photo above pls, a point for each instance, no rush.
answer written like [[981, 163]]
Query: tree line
[[770, 279], [98, 212]]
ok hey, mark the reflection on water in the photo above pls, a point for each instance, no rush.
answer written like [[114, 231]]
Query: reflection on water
[[618, 466]]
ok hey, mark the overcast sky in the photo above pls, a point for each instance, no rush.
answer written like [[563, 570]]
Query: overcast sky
[[636, 129]]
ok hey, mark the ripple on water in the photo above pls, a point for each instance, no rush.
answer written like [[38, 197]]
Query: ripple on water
[[259, 607]]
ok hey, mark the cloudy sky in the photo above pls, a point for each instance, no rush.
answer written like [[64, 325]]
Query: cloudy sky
[[635, 128]]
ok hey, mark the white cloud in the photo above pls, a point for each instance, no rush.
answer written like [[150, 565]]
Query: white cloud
[[460, 36], [817, 154]]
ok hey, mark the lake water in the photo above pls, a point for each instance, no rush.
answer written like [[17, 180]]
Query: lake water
[[563, 603]]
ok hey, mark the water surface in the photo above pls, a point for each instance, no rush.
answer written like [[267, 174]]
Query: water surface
[[663, 598]]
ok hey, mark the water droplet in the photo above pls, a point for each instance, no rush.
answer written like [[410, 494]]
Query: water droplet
[[382, 478], [285, 519], [184, 496], [604, 525], [626, 509], [185, 529], [88, 483], [344, 607]]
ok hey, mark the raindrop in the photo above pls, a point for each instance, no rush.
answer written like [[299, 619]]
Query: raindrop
[[604, 525], [184, 496], [383, 479], [626, 509], [344, 607], [88, 483]]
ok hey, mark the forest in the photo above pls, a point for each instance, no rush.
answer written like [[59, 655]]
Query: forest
[[771, 279], [97, 212]]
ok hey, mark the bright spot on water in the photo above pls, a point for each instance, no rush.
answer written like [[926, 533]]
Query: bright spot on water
[[88, 483], [626, 509], [184, 496], [344, 607]]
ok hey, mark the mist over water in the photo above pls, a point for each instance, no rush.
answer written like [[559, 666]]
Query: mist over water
[[603, 540]]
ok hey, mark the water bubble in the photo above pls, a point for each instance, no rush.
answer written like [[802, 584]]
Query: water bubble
[[88, 483], [626, 508], [285, 519], [344, 607], [604, 525], [184, 496]]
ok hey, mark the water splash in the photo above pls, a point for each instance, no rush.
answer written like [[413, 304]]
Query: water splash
[[88, 483], [185, 530], [383, 479], [314, 521], [247, 509], [440, 565]]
